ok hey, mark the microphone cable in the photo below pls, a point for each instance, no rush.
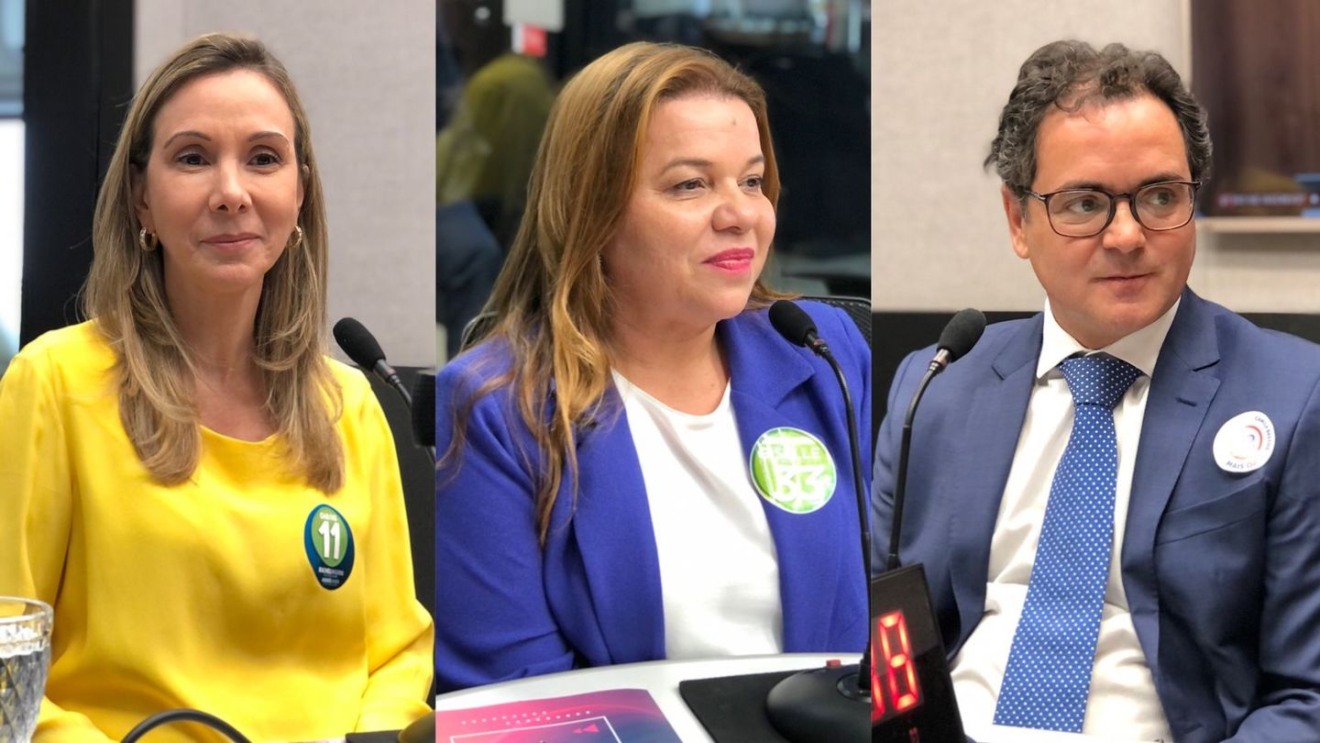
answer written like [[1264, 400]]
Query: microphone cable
[[184, 715]]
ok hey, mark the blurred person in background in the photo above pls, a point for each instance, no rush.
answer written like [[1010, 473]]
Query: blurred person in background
[[467, 255], [486, 151]]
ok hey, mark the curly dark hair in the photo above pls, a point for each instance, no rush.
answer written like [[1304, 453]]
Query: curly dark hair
[[1070, 74]]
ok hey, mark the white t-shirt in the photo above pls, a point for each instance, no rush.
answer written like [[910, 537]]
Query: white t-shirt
[[719, 574]]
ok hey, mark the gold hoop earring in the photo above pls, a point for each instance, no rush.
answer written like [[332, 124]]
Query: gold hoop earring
[[298, 238], [147, 240]]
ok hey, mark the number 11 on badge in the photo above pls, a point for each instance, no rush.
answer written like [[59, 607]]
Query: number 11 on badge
[[329, 531], [328, 540]]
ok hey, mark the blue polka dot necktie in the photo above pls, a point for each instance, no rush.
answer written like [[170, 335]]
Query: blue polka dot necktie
[[1049, 666]]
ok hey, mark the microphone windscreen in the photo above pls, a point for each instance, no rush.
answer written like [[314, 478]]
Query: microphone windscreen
[[962, 332], [358, 343], [792, 322]]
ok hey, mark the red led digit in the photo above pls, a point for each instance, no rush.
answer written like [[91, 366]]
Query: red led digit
[[902, 682], [877, 701], [896, 652]]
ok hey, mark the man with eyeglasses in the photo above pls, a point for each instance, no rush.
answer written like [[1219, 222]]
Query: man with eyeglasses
[[1116, 500]]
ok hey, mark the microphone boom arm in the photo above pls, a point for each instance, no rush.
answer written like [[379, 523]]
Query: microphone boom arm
[[822, 350], [900, 483]]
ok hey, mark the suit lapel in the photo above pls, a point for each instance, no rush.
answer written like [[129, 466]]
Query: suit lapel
[[1179, 398], [999, 406]]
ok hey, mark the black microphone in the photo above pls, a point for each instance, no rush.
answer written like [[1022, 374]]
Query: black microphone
[[362, 347], [962, 332], [796, 326], [824, 704]]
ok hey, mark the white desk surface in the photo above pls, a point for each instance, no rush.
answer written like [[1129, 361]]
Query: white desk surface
[[661, 678]]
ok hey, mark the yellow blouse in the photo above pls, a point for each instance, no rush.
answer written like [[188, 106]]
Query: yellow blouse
[[205, 594]]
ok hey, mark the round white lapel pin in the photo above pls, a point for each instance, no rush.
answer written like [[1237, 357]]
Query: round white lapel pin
[[793, 470], [1245, 442]]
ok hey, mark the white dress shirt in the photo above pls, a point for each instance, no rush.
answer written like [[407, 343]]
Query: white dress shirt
[[719, 573], [1123, 703]]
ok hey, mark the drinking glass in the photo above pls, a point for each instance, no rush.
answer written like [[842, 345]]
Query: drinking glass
[[24, 660]]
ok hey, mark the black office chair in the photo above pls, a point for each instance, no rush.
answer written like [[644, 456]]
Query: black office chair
[[475, 330], [423, 409], [857, 308], [416, 469]]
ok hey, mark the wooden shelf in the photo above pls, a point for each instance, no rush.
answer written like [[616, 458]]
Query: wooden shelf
[[1259, 225]]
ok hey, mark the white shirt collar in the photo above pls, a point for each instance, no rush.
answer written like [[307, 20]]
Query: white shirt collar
[[1140, 349]]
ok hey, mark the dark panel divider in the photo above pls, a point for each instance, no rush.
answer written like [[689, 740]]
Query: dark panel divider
[[77, 81], [896, 334]]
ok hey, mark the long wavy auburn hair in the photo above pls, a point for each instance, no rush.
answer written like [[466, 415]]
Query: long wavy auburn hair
[[552, 300]]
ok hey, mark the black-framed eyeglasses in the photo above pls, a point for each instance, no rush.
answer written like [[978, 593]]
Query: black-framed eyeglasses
[[1085, 212]]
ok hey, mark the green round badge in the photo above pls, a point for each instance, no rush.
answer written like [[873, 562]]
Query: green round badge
[[793, 470], [329, 544]]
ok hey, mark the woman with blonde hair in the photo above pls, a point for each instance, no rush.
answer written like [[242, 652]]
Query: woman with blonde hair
[[210, 504], [636, 465]]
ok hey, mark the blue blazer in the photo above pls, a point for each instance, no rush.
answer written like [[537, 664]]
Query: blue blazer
[[1221, 570], [506, 608]]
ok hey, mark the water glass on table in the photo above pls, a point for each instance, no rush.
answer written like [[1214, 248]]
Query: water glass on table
[[24, 660]]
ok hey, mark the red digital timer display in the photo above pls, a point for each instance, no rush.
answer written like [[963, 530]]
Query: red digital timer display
[[911, 692], [895, 689]]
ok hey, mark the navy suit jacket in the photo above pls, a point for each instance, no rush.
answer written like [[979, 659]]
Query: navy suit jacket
[[1221, 570], [506, 608]]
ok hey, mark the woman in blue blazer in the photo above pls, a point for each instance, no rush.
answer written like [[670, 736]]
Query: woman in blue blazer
[[634, 465]]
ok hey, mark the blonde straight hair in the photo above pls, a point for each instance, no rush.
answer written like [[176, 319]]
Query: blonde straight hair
[[551, 299], [125, 295]]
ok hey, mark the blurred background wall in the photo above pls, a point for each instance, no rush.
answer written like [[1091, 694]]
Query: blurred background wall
[[942, 72]]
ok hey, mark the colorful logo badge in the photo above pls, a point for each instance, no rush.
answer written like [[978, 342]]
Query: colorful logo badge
[[793, 470], [1244, 443], [329, 544]]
